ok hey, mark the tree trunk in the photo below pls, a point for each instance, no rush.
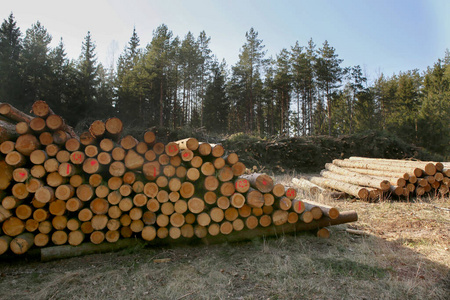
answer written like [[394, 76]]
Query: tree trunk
[[259, 181], [26, 144], [189, 143], [345, 175], [114, 128], [375, 166], [7, 131], [351, 189], [97, 129], [430, 168], [308, 186], [254, 198], [12, 113], [22, 243]]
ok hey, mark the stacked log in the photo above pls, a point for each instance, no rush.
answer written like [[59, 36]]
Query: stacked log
[[371, 179], [60, 188]]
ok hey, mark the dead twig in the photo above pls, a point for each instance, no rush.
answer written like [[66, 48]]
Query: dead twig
[[184, 296]]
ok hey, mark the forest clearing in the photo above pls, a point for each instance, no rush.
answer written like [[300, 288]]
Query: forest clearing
[[170, 173], [395, 248]]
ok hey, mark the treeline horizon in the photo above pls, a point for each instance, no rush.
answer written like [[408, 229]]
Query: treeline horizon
[[174, 82]]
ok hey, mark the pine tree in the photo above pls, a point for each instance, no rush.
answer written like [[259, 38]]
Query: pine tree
[[205, 65], [104, 92], [329, 75], [129, 92], [10, 49], [87, 68], [297, 58], [408, 101], [36, 63], [251, 60], [270, 108], [216, 108], [62, 69], [236, 92], [434, 113], [354, 87], [282, 81], [190, 78], [384, 90], [157, 63], [366, 112], [303, 84]]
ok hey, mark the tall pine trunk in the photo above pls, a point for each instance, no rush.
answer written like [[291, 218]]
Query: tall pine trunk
[[329, 110], [161, 103]]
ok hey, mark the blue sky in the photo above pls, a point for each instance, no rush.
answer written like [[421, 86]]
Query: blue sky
[[382, 36]]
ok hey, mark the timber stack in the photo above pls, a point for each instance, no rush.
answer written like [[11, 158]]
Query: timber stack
[[61, 188], [371, 179]]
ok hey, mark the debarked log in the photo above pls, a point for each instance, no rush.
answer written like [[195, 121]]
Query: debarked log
[[66, 251]]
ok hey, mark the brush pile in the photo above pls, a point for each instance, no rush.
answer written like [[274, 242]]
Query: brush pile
[[371, 179], [60, 188]]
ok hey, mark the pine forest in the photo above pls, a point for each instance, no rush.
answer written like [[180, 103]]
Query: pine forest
[[304, 90]]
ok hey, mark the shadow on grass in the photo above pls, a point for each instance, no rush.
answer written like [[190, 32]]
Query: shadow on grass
[[286, 267]]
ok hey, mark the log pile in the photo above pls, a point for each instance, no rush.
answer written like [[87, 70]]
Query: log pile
[[371, 179], [60, 188]]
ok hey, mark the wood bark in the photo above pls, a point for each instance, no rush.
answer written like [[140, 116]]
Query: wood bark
[[374, 166], [351, 189], [7, 131], [262, 182], [429, 167], [355, 178], [12, 113], [22, 243], [308, 186]]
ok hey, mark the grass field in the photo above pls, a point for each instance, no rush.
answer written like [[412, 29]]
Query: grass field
[[405, 255]]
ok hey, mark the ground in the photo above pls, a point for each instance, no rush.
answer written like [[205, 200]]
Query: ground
[[405, 255]]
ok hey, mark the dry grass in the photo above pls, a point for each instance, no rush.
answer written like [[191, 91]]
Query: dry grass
[[405, 256]]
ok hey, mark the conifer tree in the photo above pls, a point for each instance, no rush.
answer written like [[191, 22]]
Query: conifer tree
[[216, 107], [36, 63], [329, 75], [87, 68], [251, 60], [10, 50], [129, 91]]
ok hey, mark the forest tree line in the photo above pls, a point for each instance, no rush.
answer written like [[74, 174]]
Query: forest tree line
[[176, 82]]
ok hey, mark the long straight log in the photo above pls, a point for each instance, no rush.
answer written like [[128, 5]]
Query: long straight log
[[354, 178], [12, 113], [429, 167], [329, 211], [381, 173], [308, 186], [351, 189], [374, 166]]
